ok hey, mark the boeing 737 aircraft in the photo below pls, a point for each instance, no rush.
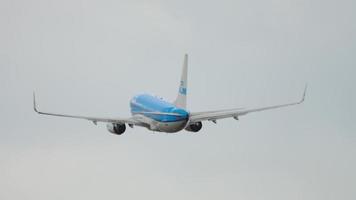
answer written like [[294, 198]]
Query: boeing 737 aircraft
[[158, 115]]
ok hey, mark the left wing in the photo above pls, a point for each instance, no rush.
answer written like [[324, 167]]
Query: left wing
[[93, 119], [235, 113]]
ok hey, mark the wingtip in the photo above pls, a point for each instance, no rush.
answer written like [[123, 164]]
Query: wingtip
[[34, 103], [305, 92]]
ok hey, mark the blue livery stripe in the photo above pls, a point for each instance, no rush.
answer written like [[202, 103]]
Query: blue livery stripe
[[148, 103]]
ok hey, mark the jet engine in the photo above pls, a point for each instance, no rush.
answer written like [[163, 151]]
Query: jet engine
[[117, 129], [194, 127]]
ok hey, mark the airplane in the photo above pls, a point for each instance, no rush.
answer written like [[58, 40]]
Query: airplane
[[158, 115]]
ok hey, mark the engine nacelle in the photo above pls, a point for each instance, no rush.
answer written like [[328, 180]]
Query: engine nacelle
[[117, 129], [194, 127]]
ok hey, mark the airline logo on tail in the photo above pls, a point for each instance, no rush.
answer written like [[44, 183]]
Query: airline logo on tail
[[182, 88]]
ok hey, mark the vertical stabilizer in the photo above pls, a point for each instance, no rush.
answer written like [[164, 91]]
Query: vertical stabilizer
[[181, 100]]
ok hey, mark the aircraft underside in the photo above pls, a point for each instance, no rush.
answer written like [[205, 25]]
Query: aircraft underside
[[157, 126], [168, 127]]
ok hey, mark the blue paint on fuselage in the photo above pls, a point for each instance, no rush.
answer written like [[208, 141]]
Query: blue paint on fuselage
[[148, 103]]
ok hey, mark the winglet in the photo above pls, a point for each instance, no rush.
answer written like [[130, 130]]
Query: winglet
[[34, 103], [304, 94]]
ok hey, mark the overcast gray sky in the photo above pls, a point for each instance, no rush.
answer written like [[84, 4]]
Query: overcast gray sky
[[90, 57]]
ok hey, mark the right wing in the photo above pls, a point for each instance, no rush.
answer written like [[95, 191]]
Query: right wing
[[93, 119], [235, 113]]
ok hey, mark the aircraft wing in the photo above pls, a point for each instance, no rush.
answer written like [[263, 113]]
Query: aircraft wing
[[235, 113], [93, 119]]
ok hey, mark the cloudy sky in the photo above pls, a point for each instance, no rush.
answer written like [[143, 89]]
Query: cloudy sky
[[90, 57]]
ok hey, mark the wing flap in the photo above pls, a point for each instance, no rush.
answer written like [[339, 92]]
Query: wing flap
[[93, 119], [222, 114]]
